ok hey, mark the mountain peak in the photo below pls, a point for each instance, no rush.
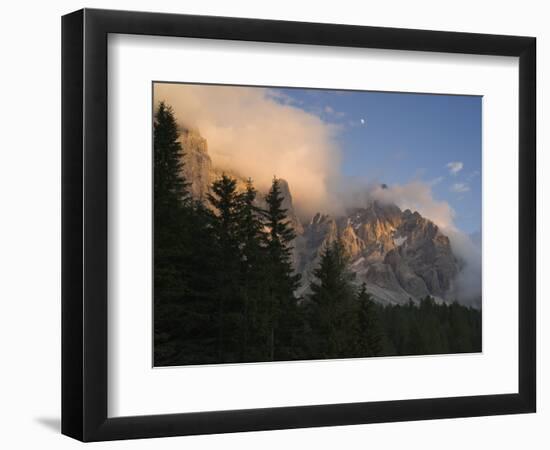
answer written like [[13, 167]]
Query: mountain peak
[[398, 254]]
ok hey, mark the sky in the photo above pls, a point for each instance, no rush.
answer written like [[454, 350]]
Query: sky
[[400, 138], [334, 146]]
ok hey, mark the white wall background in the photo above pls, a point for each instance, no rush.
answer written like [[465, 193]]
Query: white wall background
[[30, 222]]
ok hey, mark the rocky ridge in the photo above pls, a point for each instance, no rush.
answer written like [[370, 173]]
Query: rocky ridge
[[400, 255]]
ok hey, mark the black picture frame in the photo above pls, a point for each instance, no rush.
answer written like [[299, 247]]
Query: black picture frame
[[84, 224]]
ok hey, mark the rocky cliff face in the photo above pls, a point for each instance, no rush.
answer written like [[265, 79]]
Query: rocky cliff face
[[400, 255], [199, 171], [197, 168]]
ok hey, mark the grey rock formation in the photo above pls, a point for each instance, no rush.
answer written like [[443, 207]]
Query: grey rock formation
[[398, 254], [289, 206]]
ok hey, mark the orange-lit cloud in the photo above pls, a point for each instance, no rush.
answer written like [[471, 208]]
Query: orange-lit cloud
[[251, 132]]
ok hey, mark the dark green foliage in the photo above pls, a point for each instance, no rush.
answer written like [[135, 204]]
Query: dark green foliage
[[282, 316], [252, 259], [226, 203], [369, 341], [183, 295], [332, 306], [170, 187], [225, 287], [430, 328], [278, 240]]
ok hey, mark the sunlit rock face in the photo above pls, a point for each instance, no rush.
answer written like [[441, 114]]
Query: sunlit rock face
[[197, 165], [289, 206], [200, 172], [400, 255]]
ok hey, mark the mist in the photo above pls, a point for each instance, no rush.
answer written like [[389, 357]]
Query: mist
[[417, 196], [468, 280]]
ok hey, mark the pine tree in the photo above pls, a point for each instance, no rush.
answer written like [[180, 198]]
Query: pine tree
[[281, 233], [332, 308], [253, 258], [369, 333], [281, 281], [226, 201], [170, 187], [170, 201], [250, 227], [199, 342], [183, 258]]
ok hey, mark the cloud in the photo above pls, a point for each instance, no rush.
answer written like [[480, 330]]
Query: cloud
[[460, 187], [330, 111], [417, 196], [475, 173], [468, 281], [281, 97], [455, 167], [436, 181], [260, 133]]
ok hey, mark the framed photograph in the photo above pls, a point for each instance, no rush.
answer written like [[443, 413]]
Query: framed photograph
[[273, 225]]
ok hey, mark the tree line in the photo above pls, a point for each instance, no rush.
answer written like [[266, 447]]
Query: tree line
[[225, 287]]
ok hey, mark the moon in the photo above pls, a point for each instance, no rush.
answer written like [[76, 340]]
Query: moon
[[362, 121]]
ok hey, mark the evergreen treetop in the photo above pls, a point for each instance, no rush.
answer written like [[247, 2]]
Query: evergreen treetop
[[170, 186]]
